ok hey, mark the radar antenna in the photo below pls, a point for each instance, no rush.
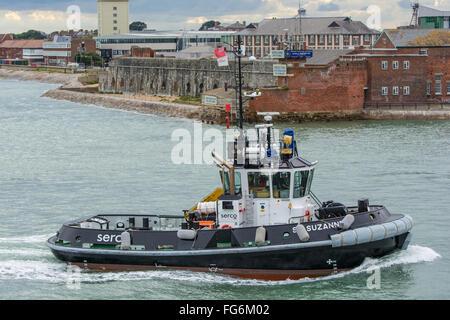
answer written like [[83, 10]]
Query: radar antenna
[[415, 16]]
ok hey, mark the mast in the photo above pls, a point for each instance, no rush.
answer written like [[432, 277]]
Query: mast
[[241, 108]]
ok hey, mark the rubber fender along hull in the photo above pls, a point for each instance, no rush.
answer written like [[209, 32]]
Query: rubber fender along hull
[[268, 264]]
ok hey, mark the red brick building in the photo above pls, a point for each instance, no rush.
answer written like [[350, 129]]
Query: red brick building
[[408, 66], [31, 50], [405, 68], [322, 83], [63, 49]]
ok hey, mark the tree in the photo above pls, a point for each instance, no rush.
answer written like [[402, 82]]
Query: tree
[[138, 26], [31, 35], [89, 58], [208, 24]]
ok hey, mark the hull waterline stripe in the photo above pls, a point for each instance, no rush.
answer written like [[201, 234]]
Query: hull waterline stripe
[[326, 243]]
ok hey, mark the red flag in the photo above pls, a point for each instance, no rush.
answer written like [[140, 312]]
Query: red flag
[[220, 52]]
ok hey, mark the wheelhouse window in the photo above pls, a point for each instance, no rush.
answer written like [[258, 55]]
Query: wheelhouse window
[[281, 185], [259, 184], [227, 185], [302, 183]]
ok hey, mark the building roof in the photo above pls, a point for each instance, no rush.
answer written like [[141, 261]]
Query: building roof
[[23, 44], [168, 34], [309, 25], [325, 57], [3, 37], [431, 12], [419, 37]]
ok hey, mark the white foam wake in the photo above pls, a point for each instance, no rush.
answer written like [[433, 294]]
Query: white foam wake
[[57, 272], [26, 239]]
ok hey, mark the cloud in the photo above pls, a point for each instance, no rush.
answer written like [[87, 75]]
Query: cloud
[[11, 15], [46, 21], [328, 5], [190, 14]]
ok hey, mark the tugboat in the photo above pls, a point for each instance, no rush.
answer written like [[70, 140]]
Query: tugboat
[[264, 222]]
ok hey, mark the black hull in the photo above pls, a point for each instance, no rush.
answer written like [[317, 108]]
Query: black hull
[[233, 251], [276, 264]]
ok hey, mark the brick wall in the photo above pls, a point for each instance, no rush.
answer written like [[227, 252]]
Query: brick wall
[[438, 63], [76, 45], [11, 53], [335, 88], [400, 79]]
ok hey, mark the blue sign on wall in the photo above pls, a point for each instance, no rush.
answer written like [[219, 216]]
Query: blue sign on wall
[[298, 54]]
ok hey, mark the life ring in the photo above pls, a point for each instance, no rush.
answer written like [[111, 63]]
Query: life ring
[[226, 226]]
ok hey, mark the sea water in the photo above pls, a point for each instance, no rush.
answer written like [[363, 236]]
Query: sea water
[[60, 161]]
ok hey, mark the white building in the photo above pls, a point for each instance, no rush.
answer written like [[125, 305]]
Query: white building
[[161, 41]]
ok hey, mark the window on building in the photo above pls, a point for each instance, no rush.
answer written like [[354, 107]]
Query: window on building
[[281, 185], [336, 41], [428, 88], [266, 51], [438, 84], [395, 91], [312, 39], [448, 87], [367, 38], [321, 38], [266, 39], [257, 39], [406, 90], [259, 184], [330, 39], [423, 51], [384, 65], [249, 40], [384, 91], [406, 65], [395, 65], [356, 41]]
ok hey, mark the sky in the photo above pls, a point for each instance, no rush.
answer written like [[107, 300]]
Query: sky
[[49, 15]]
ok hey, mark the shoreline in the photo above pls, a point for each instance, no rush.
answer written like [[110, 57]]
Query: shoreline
[[71, 89]]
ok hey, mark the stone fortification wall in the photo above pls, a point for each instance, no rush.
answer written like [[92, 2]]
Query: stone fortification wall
[[179, 77]]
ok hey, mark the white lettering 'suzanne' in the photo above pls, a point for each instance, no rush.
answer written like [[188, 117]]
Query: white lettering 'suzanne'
[[322, 226], [109, 238]]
